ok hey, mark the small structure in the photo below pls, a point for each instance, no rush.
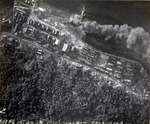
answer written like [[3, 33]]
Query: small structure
[[28, 31], [31, 22], [66, 48], [127, 80], [72, 48], [57, 42], [109, 69], [39, 51], [119, 63]]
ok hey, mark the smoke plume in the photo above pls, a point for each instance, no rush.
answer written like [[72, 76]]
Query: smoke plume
[[136, 39]]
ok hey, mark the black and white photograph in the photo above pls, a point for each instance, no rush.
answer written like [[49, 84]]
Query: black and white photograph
[[74, 62]]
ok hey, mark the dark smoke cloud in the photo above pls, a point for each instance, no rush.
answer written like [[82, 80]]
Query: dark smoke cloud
[[136, 39]]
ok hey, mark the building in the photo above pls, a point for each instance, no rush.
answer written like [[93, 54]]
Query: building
[[39, 51], [28, 31], [57, 42], [66, 47]]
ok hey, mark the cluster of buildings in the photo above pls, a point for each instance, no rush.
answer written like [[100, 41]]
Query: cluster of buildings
[[26, 2], [116, 67], [45, 35], [89, 56], [51, 38], [21, 13], [42, 33]]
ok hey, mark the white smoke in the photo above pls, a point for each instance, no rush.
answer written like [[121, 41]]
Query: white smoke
[[75, 19], [138, 36], [136, 39]]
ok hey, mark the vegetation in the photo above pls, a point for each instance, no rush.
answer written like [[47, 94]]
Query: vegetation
[[43, 90]]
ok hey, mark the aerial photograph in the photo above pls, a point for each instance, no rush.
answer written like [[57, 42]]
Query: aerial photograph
[[74, 62]]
